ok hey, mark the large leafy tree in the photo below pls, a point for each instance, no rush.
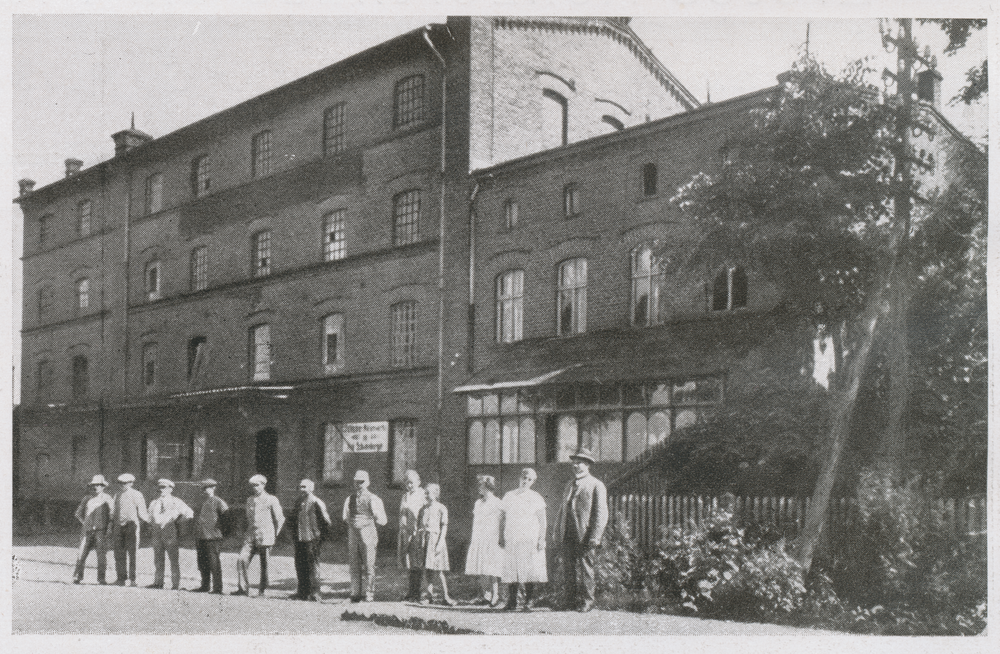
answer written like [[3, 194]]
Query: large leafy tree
[[815, 189], [959, 30]]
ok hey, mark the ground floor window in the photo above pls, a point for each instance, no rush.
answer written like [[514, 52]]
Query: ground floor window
[[616, 421], [333, 453], [175, 457], [403, 446]]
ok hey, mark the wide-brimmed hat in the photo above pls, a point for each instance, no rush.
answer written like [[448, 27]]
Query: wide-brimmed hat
[[583, 454], [126, 477], [209, 482], [165, 483], [361, 475], [98, 480]]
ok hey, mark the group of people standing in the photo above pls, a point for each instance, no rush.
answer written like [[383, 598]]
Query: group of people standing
[[508, 542]]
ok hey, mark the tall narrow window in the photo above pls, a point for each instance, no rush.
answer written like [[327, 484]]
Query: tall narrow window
[[571, 200], [510, 214], [262, 254], [199, 441], [333, 453], [572, 297], [196, 354], [199, 268], [44, 230], [647, 280], [334, 127], [44, 302], [510, 303], [333, 343], [729, 291], [43, 380], [555, 119], [83, 218], [81, 377], [404, 331], [152, 277], [261, 154], [154, 193], [649, 179], [82, 294], [408, 104], [260, 352], [403, 443], [406, 217], [201, 179], [149, 366], [334, 244]]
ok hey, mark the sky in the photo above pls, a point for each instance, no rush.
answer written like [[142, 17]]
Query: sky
[[77, 79]]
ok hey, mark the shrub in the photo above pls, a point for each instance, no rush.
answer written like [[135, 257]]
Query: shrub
[[621, 569], [722, 569]]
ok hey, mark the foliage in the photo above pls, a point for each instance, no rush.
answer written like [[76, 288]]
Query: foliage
[[721, 568], [620, 568], [958, 31]]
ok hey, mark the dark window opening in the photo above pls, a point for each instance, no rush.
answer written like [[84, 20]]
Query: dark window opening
[[649, 179]]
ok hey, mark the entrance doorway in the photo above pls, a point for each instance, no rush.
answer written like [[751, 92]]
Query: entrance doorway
[[266, 457]]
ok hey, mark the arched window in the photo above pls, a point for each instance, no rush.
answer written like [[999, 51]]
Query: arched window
[[82, 294], [510, 306], [729, 290], [647, 280], [333, 343], [408, 101], [614, 122], [406, 217], [572, 297], [83, 218], [201, 179], [152, 280], [555, 119], [261, 155]]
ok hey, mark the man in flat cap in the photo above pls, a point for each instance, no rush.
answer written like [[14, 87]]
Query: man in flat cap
[[309, 521], [126, 520], [363, 513], [208, 537], [583, 515], [165, 514], [94, 514], [264, 521]]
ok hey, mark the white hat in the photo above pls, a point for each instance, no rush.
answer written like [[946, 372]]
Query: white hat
[[163, 483], [126, 478], [361, 475], [258, 479], [98, 480]]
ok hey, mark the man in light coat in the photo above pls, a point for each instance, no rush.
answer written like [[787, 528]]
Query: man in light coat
[[583, 515], [126, 521], [94, 514], [165, 515], [310, 521], [363, 513], [265, 518]]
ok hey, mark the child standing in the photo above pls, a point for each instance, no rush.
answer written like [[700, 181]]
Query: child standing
[[433, 526]]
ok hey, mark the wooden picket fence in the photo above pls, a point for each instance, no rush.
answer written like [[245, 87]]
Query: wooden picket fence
[[650, 516]]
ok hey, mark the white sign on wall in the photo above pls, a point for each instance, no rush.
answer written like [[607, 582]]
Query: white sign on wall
[[366, 437]]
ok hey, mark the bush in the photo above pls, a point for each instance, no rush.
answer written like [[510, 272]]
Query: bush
[[726, 570], [621, 569]]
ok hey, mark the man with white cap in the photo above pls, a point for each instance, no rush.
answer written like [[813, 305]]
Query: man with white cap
[[208, 536], [363, 512], [583, 515], [94, 513], [264, 520], [165, 513], [309, 521], [126, 519]]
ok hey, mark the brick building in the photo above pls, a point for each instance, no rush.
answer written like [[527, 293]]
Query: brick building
[[283, 287]]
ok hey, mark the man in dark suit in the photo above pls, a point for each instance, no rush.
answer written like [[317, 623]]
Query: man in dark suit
[[583, 515], [309, 521]]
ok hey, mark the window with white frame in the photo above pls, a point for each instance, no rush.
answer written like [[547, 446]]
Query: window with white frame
[[149, 365], [333, 343], [152, 280], [729, 290], [334, 129], [509, 306], [502, 428], [571, 301], [199, 268], [154, 193], [403, 444], [571, 200], [647, 280], [406, 217], [82, 294], [260, 352], [333, 453], [262, 254], [511, 219], [168, 456], [83, 210], [334, 240], [408, 102], [261, 154], [404, 334], [201, 176]]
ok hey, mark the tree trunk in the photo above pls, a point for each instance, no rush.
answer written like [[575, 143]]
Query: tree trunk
[[893, 441]]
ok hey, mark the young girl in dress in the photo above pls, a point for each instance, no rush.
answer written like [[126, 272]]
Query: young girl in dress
[[485, 557], [433, 521]]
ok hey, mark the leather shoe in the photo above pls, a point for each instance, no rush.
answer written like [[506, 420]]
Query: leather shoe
[[240, 592], [158, 586], [200, 589]]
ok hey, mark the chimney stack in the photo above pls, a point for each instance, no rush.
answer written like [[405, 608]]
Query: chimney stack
[[929, 87], [27, 186], [73, 166], [127, 139]]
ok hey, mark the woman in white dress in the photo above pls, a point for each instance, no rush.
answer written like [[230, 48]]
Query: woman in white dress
[[522, 536], [485, 557]]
